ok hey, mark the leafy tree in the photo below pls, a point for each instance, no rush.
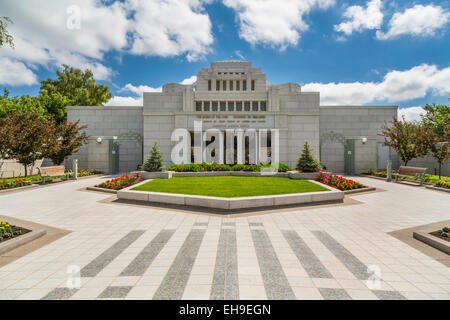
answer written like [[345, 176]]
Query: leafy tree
[[437, 119], [5, 36], [54, 105], [155, 161], [78, 86], [409, 140], [307, 162], [20, 105], [25, 137], [68, 139]]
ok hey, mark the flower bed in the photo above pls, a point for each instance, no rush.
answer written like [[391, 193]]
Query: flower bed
[[8, 231], [338, 182], [84, 173], [430, 178], [443, 184], [14, 183], [9, 183], [121, 182], [200, 167], [443, 234]]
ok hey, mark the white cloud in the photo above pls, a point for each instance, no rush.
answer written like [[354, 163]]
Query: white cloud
[[272, 22], [396, 86], [139, 92], [359, 18], [190, 80], [46, 34], [42, 36], [171, 28], [15, 73], [411, 114], [124, 101], [419, 21]]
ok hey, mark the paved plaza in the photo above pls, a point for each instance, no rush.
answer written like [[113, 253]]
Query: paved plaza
[[129, 251]]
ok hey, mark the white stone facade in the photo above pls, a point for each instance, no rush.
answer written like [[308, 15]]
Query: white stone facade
[[233, 95]]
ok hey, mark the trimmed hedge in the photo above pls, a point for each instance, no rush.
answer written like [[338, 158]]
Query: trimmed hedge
[[200, 167]]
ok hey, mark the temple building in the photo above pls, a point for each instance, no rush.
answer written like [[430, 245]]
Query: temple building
[[234, 97]]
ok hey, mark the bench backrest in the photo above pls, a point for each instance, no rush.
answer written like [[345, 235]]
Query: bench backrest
[[411, 171], [52, 171]]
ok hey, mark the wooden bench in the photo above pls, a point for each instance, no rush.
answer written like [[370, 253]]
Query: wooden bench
[[411, 172], [52, 172]]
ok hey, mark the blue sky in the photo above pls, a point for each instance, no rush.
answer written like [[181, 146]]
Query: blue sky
[[354, 52]]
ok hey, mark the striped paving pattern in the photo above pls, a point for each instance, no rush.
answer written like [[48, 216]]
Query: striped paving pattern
[[172, 287], [140, 264], [225, 283]]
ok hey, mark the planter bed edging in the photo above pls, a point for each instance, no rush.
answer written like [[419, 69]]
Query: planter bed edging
[[101, 190], [433, 241], [438, 188], [230, 203], [360, 190], [20, 240]]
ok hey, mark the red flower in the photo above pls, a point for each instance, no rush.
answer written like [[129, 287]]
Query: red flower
[[218, 170]]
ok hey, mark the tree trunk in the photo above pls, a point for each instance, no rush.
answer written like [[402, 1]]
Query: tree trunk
[[26, 173], [440, 165]]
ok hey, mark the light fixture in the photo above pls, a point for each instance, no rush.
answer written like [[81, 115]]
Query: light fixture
[[99, 140], [364, 140]]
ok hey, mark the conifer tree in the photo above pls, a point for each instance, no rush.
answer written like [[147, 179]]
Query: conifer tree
[[155, 161], [306, 162]]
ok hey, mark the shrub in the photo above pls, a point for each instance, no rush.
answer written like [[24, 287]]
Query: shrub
[[155, 161], [306, 162], [201, 167], [338, 182]]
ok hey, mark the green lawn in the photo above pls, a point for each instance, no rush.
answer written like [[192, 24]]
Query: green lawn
[[229, 187]]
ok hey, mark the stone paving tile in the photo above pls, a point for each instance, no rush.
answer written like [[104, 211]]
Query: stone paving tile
[[225, 284], [60, 294], [388, 295], [346, 257], [99, 263], [115, 292], [275, 281], [334, 294], [145, 258], [174, 282], [405, 272], [306, 256]]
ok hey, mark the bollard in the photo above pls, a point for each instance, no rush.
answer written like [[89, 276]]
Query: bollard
[[75, 168], [389, 171]]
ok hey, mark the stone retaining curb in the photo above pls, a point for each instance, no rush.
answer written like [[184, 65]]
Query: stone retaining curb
[[367, 189], [231, 203], [438, 188], [433, 241], [20, 240], [102, 189]]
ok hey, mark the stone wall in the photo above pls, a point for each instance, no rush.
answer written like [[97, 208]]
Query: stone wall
[[431, 164], [109, 122], [11, 168], [354, 121]]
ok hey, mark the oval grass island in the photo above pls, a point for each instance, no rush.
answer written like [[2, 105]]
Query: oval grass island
[[231, 192]]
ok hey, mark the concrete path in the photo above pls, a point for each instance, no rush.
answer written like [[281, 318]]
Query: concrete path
[[135, 252]]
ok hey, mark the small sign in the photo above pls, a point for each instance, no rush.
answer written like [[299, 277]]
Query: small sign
[[349, 152]]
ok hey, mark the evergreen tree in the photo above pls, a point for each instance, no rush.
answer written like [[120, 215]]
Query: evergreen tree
[[306, 162], [155, 161]]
